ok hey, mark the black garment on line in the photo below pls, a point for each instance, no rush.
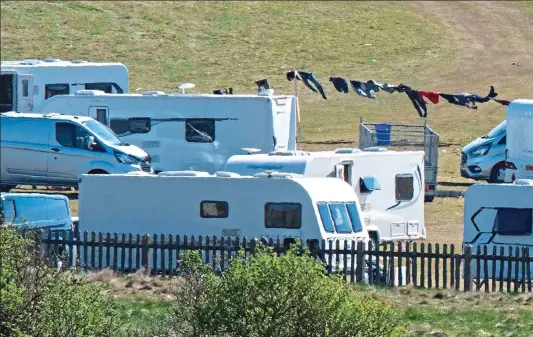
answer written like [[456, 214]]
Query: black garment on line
[[340, 84], [416, 98], [469, 100]]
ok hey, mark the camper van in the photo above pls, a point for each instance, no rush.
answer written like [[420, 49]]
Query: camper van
[[54, 149], [187, 131], [499, 215], [519, 151], [484, 158], [389, 184], [26, 84], [46, 211]]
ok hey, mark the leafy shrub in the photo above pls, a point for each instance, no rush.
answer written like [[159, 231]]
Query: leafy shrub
[[38, 300], [266, 295]]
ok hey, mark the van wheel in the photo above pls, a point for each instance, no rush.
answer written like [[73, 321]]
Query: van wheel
[[497, 174], [98, 171], [429, 198], [7, 188]]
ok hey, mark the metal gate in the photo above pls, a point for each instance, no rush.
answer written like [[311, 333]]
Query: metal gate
[[406, 137]]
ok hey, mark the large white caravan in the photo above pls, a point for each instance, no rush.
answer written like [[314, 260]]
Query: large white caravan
[[186, 131], [519, 148], [26, 84], [389, 184], [499, 215]]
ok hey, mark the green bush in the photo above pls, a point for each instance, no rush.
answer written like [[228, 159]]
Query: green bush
[[38, 300], [266, 295]]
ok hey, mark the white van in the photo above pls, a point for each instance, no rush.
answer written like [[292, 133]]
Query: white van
[[47, 211], [55, 149]]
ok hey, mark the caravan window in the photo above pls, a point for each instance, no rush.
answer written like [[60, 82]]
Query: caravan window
[[200, 130], [8, 210], [31, 209], [57, 209], [514, 221], [357, 226], [283, 215], [214, 209], [325, 215], [404, 187], [340, 217], [25, 88], [105, 87], [140, 125], [56, 89], [70, 135], [119, 126]]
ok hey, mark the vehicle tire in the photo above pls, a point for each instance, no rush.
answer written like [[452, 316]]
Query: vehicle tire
[[496, 173], [98, 171], [7, 188], [429, 198]]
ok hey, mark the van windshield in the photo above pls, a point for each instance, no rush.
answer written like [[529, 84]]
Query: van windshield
[[103, 132], [497, 131]]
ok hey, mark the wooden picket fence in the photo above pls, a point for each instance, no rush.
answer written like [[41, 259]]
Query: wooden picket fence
[[435, 266]]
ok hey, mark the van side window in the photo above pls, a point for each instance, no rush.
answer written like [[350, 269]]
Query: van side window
[[503, 140], [71, 135], [8, 210], [25, 88], [57, 209], [214, 209], [199, 130], [325, 215], [404, 187], [140, 125], [56, 89], [119, 126], [514, 221], [283, 215]]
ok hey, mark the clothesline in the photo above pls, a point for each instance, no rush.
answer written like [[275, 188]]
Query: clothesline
[[369, 89]]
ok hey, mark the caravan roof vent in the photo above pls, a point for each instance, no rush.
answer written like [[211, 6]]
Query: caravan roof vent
[[275, 174], [375, 149], [85, 92], [79, 61], [226, 174], [29, 62], [183, 174], [51, 59], [526, 182], [153, 93], [348, 150]]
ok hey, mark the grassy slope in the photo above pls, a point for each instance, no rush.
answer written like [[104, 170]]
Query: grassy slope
[[218, 45]]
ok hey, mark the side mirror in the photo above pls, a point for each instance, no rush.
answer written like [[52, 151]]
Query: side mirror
[[91, 143]]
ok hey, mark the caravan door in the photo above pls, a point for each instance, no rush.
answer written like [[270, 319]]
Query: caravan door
[[8, 94], [281, 112], [25, 93], [100, 113]]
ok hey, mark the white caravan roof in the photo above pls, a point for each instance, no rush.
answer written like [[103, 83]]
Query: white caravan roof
[[50, 62]]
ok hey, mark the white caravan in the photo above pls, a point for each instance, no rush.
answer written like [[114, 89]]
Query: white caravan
[[26, 84], [53, 150], [186, 131], [499, 215], [224, 205], [389, 184], [519, 151]]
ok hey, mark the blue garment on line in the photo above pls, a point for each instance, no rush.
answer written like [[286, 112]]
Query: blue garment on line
[[365, 89], [307, 78]]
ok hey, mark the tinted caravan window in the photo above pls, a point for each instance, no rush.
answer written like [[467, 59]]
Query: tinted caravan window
[[283, 215], [514, 221]]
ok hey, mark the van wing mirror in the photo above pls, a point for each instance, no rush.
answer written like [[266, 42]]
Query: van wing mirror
[[91, 143]]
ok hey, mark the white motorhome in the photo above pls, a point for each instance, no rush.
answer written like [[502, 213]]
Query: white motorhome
[[519, 148], [53, 150], [499, 215], [26, 84], [389, 184], [186, 131]]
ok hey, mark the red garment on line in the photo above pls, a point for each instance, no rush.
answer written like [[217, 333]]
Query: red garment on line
[[502, 101], [432, 96]]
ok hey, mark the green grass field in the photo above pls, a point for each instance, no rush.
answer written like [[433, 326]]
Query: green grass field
[[444, 46]]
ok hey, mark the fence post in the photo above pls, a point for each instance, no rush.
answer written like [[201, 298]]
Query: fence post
[[144, 252], [468, 268], [360, 262]]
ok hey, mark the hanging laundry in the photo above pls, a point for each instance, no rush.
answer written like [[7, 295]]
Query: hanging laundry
[[390, 88], [307, 78], [365, 89], [501, 101], [432, 96], [340, 84], [469, 100], [416, 98]]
